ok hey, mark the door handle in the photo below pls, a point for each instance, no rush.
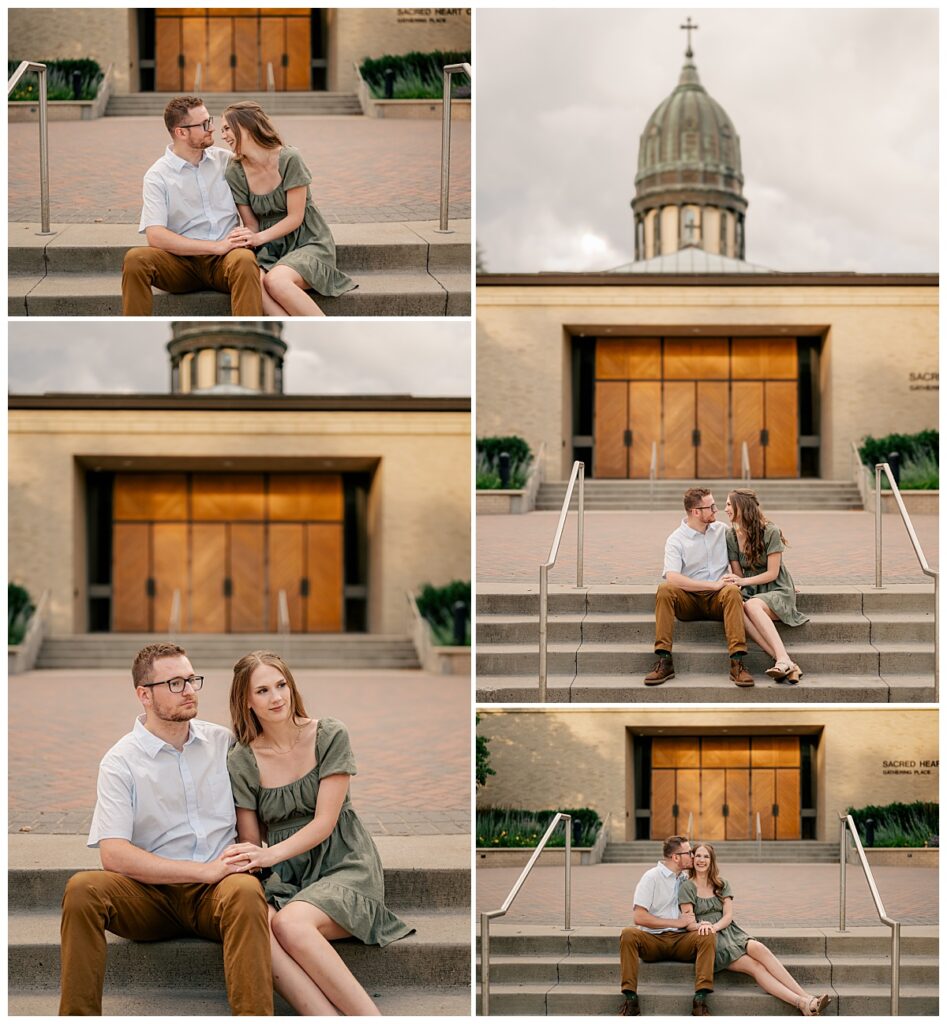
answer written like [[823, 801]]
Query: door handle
[[675, 811], [764, 438], [726, 810], [233, 60], [695, 438], [628, 437], [150, 588], [775, 810], [304, 586], [285, 60], [228, 587]]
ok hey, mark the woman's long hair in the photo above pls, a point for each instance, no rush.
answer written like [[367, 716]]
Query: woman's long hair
[[748, 515], [246, 725], [713, 873], [248, 116]]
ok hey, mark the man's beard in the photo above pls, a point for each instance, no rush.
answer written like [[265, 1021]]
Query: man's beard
[[178, 714]]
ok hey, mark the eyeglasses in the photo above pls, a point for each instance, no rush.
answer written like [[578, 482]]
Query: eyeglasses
[[704, 508], [177, 684], [206, 125], [685, 853]]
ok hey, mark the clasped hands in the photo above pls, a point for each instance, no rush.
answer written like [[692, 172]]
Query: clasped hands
[[247, 857], [730, 577], [242, 238]]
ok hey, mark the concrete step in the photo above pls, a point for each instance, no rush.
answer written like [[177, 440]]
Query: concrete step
[[817, 503], [814, 688], [452, 1001], [152, 104], [732, 851]]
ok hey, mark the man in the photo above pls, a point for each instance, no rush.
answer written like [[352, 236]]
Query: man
[[661, 930], [195, 239], [695, 560], [163, 818]]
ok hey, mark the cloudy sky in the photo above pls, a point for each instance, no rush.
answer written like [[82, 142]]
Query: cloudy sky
[[331, 358], [836, 111]]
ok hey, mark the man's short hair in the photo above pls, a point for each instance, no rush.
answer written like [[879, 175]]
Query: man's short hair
[[147, 656], [672, 844], [694, 497], [176, 111]]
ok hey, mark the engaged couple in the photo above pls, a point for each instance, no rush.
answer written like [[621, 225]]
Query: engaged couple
[[734, 574], [180, 819], [683, 911], [239, 220]]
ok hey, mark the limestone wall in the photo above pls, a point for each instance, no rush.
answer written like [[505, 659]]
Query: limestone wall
[[577, 758], [356, 33], [419, 515]]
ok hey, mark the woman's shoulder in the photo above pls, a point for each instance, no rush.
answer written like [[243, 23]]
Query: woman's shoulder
[[328, 729], [240, 758]]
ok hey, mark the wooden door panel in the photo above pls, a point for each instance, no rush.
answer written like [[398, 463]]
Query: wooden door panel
[[324, 562], [788, 824], [762, 798], [286, 570], [782, 422], [305, 496], [775, 752], [150, 496], [611, 420], [612, 358], [678, 408], [688, 800], [675, 752], [246, 72], [644, 359], [738, 803], [644, 421], [167, 48], [713, 797], [218, 73], [747, 418], [247, 601], [725, 751], [663, 822], [748, 358], [194, 49], [169, 559], [131, 562], [780, 359], [696, 359], [271, 50], [297, 53], [712, 422], [227, 497], [208, 572]]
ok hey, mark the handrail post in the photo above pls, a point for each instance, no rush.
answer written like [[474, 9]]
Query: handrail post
[[568, 891], [543, 628], [42, 88], [842, 858], [580, 539], [446, 73], [895, 967], [759, 837], [878, 583], [485, 965]]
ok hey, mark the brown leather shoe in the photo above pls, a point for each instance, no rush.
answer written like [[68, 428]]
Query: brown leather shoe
[[738, 674], [701, 1009], [629, 1008], [661, 671]]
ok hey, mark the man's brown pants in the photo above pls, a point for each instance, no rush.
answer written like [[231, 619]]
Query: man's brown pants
[[232, 912], [684, 947], [672, 603], [236, 272]]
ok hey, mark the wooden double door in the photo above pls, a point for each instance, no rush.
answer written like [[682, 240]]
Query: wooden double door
[[698, 400], [228, 544], [233, 45], [724, 782]]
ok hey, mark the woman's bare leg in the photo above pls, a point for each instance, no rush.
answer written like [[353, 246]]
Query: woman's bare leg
[[287, 288], [307, 933], [294, 984], [765, 980], [762, 618], [270, 306], [756, 636], [762, 954]]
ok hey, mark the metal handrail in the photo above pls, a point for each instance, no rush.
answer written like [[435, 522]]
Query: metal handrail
[[690, 826], [174, 618], [759, 837], [861, 475], [745, 471], [270, 77], [578, 470], [652, 472], [40, 69], [487, 916], [198, 77], [847, 826], [282, 614], [448, 70], [915, 543]]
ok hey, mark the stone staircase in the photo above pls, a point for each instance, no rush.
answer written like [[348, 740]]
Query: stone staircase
[[220, 650], [402, 269], [636, 495], [646, 851], [541, 970], [861, 645], [426, 974], [276, 104]]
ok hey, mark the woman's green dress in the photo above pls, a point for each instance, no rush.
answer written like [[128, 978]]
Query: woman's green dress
[[310, 249], [732, 940], [780, 595], [342, 876]]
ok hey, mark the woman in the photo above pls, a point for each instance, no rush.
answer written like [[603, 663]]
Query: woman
[[270, 185], [710, 898], [754, 548], [322, 875]]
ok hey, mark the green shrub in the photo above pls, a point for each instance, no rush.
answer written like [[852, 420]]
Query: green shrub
[[483, 758], [436, 604], [19, 611], [500, 827], [58, 80], [418, 76], [899, 824], [876, 449], [488, 462]]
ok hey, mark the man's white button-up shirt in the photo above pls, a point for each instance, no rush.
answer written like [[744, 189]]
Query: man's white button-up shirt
[[657, 893], [701, 556]]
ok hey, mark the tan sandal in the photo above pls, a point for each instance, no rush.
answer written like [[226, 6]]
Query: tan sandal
[[780, 670], [794, 674]]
